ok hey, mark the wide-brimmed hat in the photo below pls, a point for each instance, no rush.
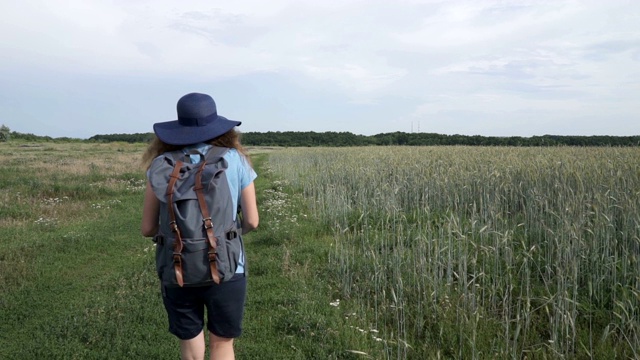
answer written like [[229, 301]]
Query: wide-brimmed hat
[[198, 121]]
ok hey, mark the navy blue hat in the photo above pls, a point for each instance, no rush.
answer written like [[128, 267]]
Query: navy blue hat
[[198, 121]]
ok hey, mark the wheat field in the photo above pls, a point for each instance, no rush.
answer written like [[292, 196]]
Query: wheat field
[[481, 252]]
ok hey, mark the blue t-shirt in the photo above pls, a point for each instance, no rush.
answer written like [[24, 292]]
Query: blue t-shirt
[[239, 175]]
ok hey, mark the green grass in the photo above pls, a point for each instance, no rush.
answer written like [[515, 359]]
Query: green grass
[[389, 253], [77, 279], [76, 275]]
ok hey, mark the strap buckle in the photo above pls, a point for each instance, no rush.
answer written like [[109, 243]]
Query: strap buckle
[[158, 239], [177, 258], [232, 235], [208, 224], [212, 255]]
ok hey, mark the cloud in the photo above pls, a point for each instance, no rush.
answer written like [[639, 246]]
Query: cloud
[[491, 60]]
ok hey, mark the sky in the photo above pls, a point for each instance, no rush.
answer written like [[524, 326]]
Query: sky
[[78, 68]]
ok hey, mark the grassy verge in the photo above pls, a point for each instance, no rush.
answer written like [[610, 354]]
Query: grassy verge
[[292, 312]]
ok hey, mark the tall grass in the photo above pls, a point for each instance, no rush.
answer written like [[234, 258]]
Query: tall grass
[[482, 252]]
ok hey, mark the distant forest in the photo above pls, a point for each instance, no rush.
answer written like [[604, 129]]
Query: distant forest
[[310, 138]]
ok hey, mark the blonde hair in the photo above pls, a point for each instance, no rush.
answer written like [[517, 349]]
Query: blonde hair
[[230, 139]]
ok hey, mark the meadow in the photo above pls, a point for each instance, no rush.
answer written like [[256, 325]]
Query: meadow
[[77, 280], [376, 252]]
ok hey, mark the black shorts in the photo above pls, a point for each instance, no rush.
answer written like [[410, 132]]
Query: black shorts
[[224, 303]]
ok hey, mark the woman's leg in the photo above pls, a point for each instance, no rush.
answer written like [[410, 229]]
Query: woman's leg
[[221, 348], [193, 349]]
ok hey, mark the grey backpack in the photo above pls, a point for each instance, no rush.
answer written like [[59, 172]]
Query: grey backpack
[[198, 242]]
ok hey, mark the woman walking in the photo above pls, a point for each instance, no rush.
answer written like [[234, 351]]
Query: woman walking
[[198, 130]]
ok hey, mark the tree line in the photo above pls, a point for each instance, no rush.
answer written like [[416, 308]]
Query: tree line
[[291, 138], [331, 138]]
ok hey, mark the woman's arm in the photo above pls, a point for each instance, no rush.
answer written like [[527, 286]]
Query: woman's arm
[[150, 213], [250, 218]]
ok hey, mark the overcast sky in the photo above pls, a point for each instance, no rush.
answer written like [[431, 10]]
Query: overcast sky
[[83, 67]]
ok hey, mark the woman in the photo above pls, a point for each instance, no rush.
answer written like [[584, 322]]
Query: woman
[[200, 127]]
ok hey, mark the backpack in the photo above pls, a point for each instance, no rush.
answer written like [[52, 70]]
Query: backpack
[[198, 242]]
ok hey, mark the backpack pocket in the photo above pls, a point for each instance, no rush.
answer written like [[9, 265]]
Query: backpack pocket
[[195, 263], [229, 251]]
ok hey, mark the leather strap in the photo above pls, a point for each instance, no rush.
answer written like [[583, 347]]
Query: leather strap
[[208, 225], [177, 244]]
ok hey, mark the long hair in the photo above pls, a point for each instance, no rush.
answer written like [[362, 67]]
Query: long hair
[[230, 139]]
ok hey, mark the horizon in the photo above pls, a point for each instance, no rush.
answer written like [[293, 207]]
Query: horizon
[[489, 68], [330, 131]]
